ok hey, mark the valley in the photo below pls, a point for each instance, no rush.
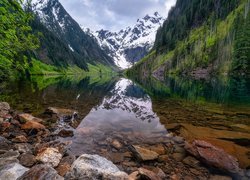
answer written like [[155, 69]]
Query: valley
[[166, 96]]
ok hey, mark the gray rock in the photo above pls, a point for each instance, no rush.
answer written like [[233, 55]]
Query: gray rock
[[178, 139], [12, 171], [94, 167], [27, 159], [5, 144], [9, 158], [41, 172], [23, 147]]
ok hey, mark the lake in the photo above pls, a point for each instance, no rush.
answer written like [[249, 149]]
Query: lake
[[141, 111]]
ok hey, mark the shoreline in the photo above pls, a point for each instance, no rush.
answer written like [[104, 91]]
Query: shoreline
[[30, 142]]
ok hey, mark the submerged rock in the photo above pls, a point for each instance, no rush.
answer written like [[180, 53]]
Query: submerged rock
[[94, 167], [50, 156], [41, 172], [144, 154], [29, 125], [116, 144], [146, 174], [218, 177], [12, 171], [213, 156], [24, 117], [65, 114], [66, 133]]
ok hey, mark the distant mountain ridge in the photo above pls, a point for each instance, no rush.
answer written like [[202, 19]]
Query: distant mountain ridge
[[129, 45], [79, 47]]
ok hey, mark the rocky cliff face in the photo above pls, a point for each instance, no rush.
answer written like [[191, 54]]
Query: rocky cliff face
[[56, 19]]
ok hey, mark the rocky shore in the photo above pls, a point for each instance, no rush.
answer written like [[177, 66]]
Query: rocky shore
[[32, 148]]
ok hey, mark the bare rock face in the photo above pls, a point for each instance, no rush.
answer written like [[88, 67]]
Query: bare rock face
[[213, 156], [50, 156], [41, 172], [94, 167], [12, 171], [144, 154]]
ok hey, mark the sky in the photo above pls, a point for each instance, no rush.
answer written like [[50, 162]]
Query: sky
[[113, 15]]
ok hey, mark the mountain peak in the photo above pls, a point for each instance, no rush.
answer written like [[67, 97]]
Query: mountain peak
[[156, 14], [132, 43]]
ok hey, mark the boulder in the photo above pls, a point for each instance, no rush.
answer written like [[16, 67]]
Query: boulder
[[50, 156], [41, 172], [94, 167], [213, 156], [29, 125], [12, 171], [27, 159], [4, 109], [144, 154], [24, 117]]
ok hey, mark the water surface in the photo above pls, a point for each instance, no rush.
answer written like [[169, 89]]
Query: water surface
[[142, 111]]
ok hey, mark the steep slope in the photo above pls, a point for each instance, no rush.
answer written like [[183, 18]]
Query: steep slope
[[79, 46], [200, 38], [129, 45]]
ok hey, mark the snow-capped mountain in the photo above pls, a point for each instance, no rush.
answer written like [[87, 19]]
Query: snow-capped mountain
[[82, 46], [129, 45]]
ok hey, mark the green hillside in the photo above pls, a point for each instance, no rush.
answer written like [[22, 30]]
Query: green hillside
[[201, 38]]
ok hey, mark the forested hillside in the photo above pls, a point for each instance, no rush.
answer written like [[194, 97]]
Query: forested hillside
[[201, 38], [28, 46]]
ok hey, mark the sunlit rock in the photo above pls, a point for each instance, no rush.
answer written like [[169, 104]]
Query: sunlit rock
[[50, 156], [94, 167]]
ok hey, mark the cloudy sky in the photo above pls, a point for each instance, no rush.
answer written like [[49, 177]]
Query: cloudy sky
[[113, 14]]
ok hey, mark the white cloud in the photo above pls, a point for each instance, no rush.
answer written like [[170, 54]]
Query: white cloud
[[113, 14]]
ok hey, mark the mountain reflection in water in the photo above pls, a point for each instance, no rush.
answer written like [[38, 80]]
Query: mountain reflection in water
[[125, 113]]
